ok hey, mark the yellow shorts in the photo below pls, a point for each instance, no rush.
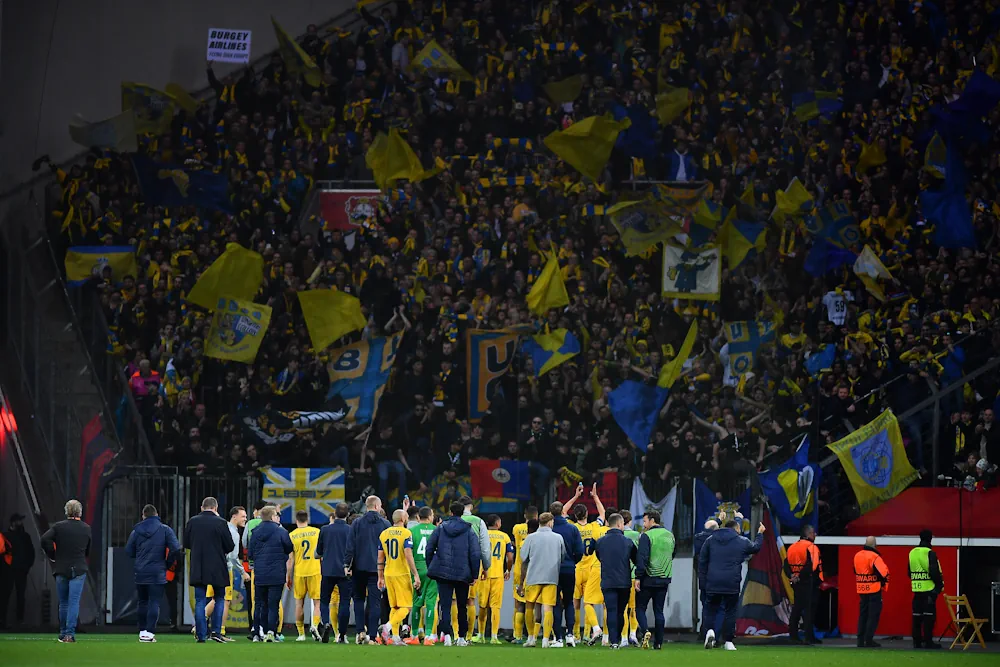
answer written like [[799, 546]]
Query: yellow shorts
[[491, 592], [592, 593], [540, 594], [582, 573], [309, 585], [400, 589], [210, 592], [514, 577]]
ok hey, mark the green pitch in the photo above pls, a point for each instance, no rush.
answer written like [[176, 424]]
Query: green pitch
[[174, 650]]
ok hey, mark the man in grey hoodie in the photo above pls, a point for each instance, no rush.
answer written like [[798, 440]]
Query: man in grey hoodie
[[541, 555]]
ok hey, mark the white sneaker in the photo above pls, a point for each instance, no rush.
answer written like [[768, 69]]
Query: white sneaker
[[314, 631], [256, 639], [607, 642], [545, 643], [595, 635], [729, 646], [461, 642], [555, 643], [361, 639], [530, 643], [570, 640], [633, 640], [447, 640], [300, 638], [396, 641], [710, 639], [269, 637]]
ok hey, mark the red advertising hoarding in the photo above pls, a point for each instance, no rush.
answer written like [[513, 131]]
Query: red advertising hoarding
[[346, 209]]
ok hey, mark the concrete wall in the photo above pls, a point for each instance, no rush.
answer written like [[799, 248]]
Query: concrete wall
[[62, 57]]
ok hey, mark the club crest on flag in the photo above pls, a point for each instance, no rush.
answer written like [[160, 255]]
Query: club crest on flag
[[315, 490], [873, 460]]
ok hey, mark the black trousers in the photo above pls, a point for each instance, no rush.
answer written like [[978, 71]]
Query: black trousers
[[659, 598], [366, 590], [564, 604], [460, 590], [268, 597], [326, 592], [729, 603], [924, 615], [868, 615], [803, 608], [615, 603]]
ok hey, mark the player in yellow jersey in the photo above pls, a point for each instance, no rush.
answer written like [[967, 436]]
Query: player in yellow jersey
[[305, 577], [520, 533], [491, 585], [395, 567], [588, 570]]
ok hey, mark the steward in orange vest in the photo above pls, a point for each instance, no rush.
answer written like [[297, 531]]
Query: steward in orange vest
[[872, 577], [804, 568]]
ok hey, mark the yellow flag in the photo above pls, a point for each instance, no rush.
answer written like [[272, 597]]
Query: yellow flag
[[85, 262], [672, 369], [587, 144], [871, 156], [936, 157], [236, 274], [330, 315], [296, 60], [183, 98], [549, 291], [433, 58], [748, 196], [795, 200], [154, 109], [238, 327], [391, 159], [671, 103], [869, 268], [566, 90]]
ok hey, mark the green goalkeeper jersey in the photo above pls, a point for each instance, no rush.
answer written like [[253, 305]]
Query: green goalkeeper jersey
[[421, 534]]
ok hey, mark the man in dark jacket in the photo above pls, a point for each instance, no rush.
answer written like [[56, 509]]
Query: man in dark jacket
[[208, 539], [269, 549], [720, 566], [67, 544], [361, 559], [653, 571], [617, 553], [331, 549], [152, 545], [15, 579], [567, 569], [699, 541], [453, 558]]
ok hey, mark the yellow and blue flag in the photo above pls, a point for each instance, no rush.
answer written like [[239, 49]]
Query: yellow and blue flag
[[153, 109], [359, 373], [816, 104], [550, 350], [297, 61], [238, 273], [705, 221], [238, 328], [166, 184], [313, 490], [549, 291], [84, 262], [835, 223], [672, 369], [871, 156], [691, 273], [946, 206], [434, 59], [636, 406], [488, 355], [642, 223], [117, 133], [795, 201], [821, 361], [936, 157], [869, 268], [586, 145], [741, 237], [792, 489], [875, 461], [745, 338], [330, 315]]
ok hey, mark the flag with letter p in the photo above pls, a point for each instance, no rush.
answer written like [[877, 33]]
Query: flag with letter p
[[875, 461]]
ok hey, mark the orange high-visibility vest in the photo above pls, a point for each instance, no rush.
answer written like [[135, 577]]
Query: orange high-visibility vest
[[871, 572], [802, 553]]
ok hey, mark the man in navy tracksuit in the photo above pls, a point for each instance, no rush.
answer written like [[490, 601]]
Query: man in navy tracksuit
[[153, 545], [268, 551], [362, 560], [567, 569], [699, 541], [453, 558], [617, 554], [332, 548], [720, 566]]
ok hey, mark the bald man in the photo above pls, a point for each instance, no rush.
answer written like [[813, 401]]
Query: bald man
[[362, 560], [871, 575], [699, 541]]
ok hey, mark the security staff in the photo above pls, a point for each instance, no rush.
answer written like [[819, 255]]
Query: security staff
[[804, 568], [617, 553], [653, 570], [872, 577], [926, 583]]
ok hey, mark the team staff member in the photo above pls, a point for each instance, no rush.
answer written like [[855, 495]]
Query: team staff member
[[67, 544], [208, 539], [395, 567], [306, 577], [699, 541], [270, 548], [926, 583], [653, 570], [616, 553], [872, 577], [720, 565], [237, 519], [520, 533], [452, 560], [804, 568], [567, 570], [152, 544], [330, 550], [424, 615], [491, 584], [362, 560], [541, 556]]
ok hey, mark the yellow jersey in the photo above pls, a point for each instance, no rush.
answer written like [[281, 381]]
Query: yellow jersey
[[590, 533], [393, 542], [520, 532], [501, 545], [304, 548]]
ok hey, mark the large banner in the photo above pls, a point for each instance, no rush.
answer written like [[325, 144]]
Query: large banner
[[315, 490], [346, 209], [488, 355], [228, 46], [359, 373], [238, 328], [692, 273]]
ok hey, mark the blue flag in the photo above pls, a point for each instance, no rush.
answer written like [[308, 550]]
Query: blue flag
[[947, 207], [835, 223], [359, 373], [745, 338], [791, 489], [639, 139], [549, 350], [708, 506], [822, 359], [171, 185], [635, 406], [825, 257], [980, 96]]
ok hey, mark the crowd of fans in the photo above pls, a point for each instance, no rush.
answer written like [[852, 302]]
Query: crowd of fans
[[449, 253]]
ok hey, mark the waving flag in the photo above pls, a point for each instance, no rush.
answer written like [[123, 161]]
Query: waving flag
[[673, 368], [642, 223], [296, 60], [488, 355], [745, 338], [315, 490], [816, 104], [636, 406], [153, 109], [435, 60], [791, 489], [166, 184], [499, 485], [330, 315], [359, 373], [835, 223], [238, 329], [692, 273], [586, 145], [237, 273], [550, 350], [549, 291]]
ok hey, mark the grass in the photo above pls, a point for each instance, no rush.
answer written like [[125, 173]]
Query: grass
[[174, 650]]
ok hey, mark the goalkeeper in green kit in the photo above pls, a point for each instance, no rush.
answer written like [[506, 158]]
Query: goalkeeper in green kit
[[424, 616]]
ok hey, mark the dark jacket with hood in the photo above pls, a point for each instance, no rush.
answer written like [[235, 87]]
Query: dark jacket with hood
[[574, 544], [453, 552], [153, 545], [720, 564], [269, 549], [362, 546], [617, 553]]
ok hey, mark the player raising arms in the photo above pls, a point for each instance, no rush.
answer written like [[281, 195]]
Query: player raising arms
[[395, 566]]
